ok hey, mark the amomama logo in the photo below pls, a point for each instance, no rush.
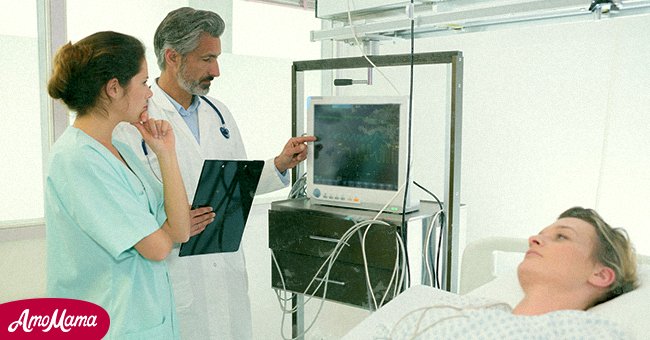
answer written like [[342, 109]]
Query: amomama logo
[[52, 318]]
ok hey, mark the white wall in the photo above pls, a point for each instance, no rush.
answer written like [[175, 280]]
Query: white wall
[[266, 30], [553, 116], [21, 175]]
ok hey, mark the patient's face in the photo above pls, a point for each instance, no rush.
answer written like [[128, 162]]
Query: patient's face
[[560, 256]]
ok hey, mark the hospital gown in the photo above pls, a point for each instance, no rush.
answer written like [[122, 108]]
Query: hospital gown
[[96, 210], [460, 317]]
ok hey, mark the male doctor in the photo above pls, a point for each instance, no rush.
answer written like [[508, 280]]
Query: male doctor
[[210, 290]]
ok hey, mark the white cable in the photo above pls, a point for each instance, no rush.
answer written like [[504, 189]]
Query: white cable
[[613, 78], [404, 279], [417, 332], [298, 188], [283, 302], [363, 53], [330, 262], [427, 245], [293, 310], [363, 250], [365, 266], [402, 251], [399, 249], [393, 275], [390, 201]]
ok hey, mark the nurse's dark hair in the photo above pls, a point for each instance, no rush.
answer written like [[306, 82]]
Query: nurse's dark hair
[[613, 250], [181, 29], [81, 70]]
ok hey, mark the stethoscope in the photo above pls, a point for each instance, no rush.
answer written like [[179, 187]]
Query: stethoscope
[[223, 129]]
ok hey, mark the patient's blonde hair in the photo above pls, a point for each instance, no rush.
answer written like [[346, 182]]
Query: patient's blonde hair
[[613, 250]]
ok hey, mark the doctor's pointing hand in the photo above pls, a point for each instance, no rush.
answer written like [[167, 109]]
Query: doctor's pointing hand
[[294, 152]]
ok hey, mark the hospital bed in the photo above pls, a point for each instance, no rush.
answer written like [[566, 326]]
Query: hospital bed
[[482, 277]]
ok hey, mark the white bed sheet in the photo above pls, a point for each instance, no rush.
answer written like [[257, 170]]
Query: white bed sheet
[[388, 315]]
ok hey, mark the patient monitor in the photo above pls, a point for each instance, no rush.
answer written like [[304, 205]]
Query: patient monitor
[[360, 157]]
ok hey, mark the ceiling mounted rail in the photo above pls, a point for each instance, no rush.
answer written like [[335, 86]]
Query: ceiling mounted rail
[[462, 16]]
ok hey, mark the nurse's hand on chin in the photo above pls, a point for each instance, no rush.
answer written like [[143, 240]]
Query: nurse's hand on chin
[[157, 133]]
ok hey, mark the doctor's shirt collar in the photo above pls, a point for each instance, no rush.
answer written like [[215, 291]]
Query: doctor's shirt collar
[[191, 110]]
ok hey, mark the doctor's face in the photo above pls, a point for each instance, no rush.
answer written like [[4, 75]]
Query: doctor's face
[[137, 95], [561, 255], [199, 67]]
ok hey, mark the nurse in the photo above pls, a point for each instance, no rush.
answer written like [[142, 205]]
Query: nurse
[[109, 222]]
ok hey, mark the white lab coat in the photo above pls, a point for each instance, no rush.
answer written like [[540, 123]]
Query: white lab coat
[[211, 291]]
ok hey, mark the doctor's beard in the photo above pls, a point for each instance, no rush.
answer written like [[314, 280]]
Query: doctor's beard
[[193, 86]]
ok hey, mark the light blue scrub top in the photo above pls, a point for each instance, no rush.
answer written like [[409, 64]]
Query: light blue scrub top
[[96, 210]]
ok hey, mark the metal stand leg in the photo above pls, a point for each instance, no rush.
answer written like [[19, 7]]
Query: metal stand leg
[[298, 317]]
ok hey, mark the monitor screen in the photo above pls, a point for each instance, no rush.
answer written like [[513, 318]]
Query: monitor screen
[[359, 159], [358, 145]]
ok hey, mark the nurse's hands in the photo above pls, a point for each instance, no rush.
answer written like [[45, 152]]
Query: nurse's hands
[[294, 152], [199, 219], [158, 134]]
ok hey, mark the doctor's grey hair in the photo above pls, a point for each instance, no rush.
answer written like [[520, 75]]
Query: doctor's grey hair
[[613, 249], [181, 30]]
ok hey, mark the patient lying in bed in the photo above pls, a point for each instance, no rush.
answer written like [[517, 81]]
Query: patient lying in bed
[[575, 263]]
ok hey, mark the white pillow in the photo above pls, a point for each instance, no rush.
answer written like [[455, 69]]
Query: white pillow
[[630, 310]]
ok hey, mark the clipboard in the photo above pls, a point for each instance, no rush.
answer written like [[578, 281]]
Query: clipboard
[[228, 186]]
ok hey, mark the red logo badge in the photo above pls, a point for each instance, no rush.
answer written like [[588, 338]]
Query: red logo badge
[[53, 318]]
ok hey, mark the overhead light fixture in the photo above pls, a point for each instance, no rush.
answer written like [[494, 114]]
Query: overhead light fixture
[[599, 7]]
